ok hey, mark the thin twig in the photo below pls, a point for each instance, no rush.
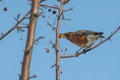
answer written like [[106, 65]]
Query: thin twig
[[53, 44], [45, 5], [53, 65], [33, 76], [84, 51], [68, 9], [53, 27], [37, 40]]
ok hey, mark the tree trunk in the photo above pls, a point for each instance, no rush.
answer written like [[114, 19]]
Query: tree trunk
[[30, 41]]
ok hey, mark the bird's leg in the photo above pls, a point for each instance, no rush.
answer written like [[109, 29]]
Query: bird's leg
[[85, 49], [79, 50]]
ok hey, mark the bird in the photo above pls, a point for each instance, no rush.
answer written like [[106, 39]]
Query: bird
[[82, 38]]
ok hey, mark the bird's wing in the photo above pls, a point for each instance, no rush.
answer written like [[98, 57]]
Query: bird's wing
[[83, 32]]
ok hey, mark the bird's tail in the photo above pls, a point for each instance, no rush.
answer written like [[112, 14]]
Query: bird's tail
[[101, 34]]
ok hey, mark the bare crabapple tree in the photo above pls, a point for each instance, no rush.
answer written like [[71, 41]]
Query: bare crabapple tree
[[37, 8]]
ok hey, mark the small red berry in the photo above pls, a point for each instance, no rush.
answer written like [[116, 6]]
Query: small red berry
[[54, 12], [49, 10], [5, 8]]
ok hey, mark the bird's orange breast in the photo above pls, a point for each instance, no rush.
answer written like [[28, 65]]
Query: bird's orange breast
[[80, 40]]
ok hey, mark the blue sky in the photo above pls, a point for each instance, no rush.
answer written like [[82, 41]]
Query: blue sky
[[101, 63]]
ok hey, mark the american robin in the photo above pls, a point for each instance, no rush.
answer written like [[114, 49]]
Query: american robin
[[82, 38]]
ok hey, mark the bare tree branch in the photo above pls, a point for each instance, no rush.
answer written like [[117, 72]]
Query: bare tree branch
[[15, 26], [57, 39], [86, 50]]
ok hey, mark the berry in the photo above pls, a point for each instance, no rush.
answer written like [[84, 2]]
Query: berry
[[49, 10], [54, 12], [5, 8]]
